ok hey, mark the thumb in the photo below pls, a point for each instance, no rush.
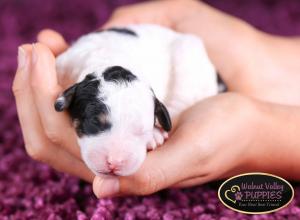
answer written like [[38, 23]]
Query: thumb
[[162, 168], [53, 40], [45, 87]]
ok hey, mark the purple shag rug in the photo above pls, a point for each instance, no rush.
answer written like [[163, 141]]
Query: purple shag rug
[[31, 190]]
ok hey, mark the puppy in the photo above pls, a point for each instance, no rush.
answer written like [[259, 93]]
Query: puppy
[[124, 86]]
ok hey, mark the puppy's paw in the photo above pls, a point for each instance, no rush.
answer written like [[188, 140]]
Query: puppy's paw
[[159, 137]]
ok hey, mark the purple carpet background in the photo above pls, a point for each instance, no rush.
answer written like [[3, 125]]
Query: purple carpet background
[[31, 190]]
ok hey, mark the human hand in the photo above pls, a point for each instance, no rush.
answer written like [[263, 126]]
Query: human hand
[[169, 13], [48, 136], [212, 140]]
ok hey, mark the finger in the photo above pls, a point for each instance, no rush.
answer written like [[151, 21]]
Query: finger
[[193, 181], [202, 179], [53, 40], [61, 160], [146, 12], [116, 22], [36, 143], [162, 168], [45, 89], [120, 17]]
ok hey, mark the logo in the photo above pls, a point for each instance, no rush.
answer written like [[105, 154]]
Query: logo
[[256, 193]]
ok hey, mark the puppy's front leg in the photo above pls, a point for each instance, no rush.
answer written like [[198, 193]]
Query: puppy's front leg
[[158, 138]]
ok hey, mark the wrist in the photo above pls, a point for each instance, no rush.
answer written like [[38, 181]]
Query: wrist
[[275, 149], [221, 34], [235, 135], [249, 138], [257, 139]]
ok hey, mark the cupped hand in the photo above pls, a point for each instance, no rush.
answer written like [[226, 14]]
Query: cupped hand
[[48, 136], [211, 141]]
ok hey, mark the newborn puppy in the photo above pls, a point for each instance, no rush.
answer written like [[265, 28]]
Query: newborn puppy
[[124, 86]]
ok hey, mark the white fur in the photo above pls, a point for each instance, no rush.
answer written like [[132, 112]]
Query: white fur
[[175, 66]]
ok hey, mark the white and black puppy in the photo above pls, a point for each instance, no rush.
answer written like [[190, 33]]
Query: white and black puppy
[[127, 85]]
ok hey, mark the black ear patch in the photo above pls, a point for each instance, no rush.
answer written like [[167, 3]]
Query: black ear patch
[[162, 115], [64, 100], [88, 112], [118, 74]]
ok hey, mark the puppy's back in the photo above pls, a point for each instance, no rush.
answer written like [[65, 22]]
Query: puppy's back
[[143, 49]]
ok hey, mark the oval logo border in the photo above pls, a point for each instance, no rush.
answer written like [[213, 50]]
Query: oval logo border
[[256, 173]]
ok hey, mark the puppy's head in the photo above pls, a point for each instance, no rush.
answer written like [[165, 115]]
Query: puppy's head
[[114, 114]]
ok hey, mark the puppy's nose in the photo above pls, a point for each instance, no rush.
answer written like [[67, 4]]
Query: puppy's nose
[[115, 163]]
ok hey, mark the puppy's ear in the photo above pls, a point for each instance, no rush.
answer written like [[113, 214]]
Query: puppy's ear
[[162, 115], [64, 100]]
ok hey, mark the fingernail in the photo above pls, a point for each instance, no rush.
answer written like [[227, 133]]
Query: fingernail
[[34, 54], [21, 57], [108, 186]]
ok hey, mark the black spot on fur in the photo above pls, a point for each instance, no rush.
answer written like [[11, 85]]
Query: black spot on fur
[[118, 74], [124, 31], [86, 109]]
